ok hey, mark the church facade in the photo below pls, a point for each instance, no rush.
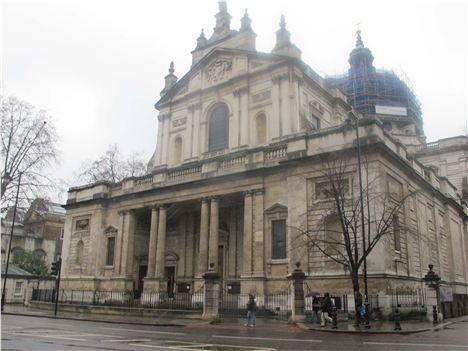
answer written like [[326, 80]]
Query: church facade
[[237, 178]]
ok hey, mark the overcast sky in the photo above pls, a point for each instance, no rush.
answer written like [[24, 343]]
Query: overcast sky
[[98, 66]]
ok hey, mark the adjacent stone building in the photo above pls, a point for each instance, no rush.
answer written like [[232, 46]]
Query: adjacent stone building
[[237, 174], [39, 229]]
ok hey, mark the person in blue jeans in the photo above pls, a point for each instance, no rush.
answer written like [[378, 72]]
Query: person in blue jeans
[[315, 309], [251, 307]]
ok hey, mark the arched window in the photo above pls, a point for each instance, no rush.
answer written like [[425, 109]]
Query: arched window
[[79, 252], [178, 150], [16, 253], [260, 129], [40, 254], [219, 129], [333, 235]]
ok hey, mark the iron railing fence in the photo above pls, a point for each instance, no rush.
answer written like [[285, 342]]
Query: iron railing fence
[[409, 299], [339, 301], [163, 300], [276, 306]]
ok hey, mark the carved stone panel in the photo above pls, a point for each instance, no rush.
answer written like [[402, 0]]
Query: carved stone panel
[[219, 70]]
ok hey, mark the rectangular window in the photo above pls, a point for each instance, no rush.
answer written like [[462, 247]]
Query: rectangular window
[[314, 123], [110, 251], [278, 239], [324, 190], [18, 288]]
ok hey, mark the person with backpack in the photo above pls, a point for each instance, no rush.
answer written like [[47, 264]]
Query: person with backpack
[[251, 308], [315, 309], [326, 308]]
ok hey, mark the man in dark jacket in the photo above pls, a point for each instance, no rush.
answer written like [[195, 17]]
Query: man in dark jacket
[[315, 309], [251, 308], [326, 308]]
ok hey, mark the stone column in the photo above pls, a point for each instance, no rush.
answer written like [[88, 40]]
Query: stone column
[[247, 242], [203, 249], [152, 242], [161, 244], [275, 125], [297, 293], [214, 228], [258, 236], [118, 246], [127, 243], [211, 294]]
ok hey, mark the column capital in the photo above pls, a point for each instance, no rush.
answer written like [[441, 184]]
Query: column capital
[[248, 193], [124, 212], [155, 207], [214, 198], [205, 200], [259, 191]]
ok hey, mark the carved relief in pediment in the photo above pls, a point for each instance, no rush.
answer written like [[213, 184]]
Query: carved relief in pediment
[[219, 70], [179, 122]]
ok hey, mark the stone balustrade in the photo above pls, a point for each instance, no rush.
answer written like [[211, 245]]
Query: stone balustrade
[[221, 163]]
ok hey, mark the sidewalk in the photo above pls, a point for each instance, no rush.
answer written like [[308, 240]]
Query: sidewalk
[[382, 327], [163, 320]]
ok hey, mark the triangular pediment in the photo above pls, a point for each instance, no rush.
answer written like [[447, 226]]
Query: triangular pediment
[[276, 208], [217, 67]]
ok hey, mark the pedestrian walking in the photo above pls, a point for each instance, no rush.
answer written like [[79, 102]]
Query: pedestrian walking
[[360, 308], [315, 309], [251, 308], [326, 307]]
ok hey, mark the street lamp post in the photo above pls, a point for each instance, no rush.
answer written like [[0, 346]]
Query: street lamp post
[[11, 239], [361, 200]]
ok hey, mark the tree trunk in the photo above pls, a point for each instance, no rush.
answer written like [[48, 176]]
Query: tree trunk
[[357, 294]]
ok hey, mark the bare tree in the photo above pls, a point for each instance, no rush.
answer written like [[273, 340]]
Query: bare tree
[[337, 235], [29, 146], [112, 167]]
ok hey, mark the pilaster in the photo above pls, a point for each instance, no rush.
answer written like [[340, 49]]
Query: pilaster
[[247, 240], [152, 242], [203, 248], [161, 244], [258, 236], [214, 232]]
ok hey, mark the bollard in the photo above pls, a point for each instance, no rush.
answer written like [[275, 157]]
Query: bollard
[[435, 317], [397, 317], [334, 319]]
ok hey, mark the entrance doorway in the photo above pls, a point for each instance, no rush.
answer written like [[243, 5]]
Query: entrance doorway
[[220, 267], [170, 276], [141, 275]]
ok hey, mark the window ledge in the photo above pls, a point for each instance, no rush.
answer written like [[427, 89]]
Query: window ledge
[[108, 267], [279, 261]]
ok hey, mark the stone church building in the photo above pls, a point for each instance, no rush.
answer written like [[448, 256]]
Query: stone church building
[[237, 177]]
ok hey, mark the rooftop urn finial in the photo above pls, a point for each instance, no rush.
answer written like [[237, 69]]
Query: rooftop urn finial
[[282, 22], [170, 79], [360, 57], [359, 43], [201, 40], [284, 46], [171, 68], [246, 23], [283, 37]]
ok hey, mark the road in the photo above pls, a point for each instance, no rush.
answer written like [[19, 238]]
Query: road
[[36, 333]]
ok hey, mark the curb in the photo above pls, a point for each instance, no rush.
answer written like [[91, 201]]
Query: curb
[[95, 320], [368, 332]]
